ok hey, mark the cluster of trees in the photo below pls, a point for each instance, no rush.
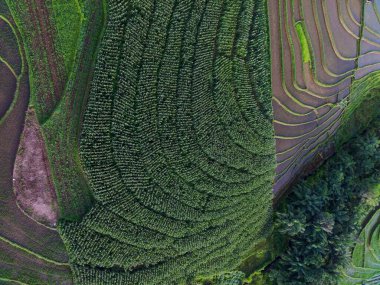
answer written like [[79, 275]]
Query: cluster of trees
[[177, 142], [320, 217]]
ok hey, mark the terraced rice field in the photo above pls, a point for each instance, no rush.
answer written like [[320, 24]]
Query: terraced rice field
[[47, 84], [59, 84], [168, 125], [29, 251], [365, 267], [10, 66], [322, 53]]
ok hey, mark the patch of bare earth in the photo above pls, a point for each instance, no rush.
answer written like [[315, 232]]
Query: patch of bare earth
[[32, 181]]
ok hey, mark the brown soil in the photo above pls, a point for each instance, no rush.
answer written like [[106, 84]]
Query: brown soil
[[52, 71], [32, 181], [14, 224]]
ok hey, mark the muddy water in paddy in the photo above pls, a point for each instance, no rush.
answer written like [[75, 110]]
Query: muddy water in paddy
[[9, 50], [10, 131], [8, 85], [10, 66], [14, 224]]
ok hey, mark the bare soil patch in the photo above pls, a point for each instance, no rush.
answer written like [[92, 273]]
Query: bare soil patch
[[32, 181], [14, 224]]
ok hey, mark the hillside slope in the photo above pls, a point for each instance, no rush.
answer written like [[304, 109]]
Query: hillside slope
[[177, 142]]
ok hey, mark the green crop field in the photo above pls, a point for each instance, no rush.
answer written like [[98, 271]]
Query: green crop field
[[171, 141], [365, 265], [184, 154]]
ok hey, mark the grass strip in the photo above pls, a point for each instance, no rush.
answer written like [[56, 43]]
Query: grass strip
[[301, 32], [32, 253]]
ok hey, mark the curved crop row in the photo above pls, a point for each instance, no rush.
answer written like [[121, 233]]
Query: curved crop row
[[365, 265], [9, 50], [11, 66], [177, 142], [30, 252], [34, 22], [62, 129], [319, 49]]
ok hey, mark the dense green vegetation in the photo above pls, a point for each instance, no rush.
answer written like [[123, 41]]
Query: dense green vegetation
[[320, 217], [177, 142], [166, 175], [68, 17], [62, 129], [364, 105], [228, 278], [318, 224]]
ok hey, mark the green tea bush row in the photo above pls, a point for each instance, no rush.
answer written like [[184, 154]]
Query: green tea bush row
[[178, 151]]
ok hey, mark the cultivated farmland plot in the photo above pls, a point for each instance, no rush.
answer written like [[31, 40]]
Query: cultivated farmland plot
[[321, 53], [177, 142], [365, 266], [29, 251], [164, 128]]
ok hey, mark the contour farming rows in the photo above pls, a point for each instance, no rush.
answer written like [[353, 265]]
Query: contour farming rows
[[177, 142], [46, 65], [30, 253], [62, 129], [61, 40], [10, 67], [319, 50], [365, 265], [369, 60]]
